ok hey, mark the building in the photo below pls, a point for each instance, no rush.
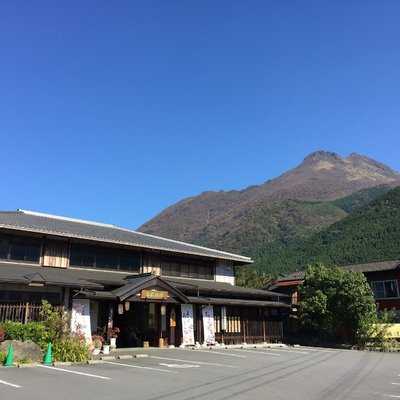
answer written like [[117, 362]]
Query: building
[[383, 277], [155, 290], [384, 280], [289, 285]]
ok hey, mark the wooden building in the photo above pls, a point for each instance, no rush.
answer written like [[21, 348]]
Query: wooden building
[[155, 290], [383, 277]]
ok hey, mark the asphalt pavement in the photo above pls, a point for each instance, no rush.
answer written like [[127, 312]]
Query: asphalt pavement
[[299, 373]]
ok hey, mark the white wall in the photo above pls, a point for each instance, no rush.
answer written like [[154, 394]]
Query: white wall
[[224, 272]]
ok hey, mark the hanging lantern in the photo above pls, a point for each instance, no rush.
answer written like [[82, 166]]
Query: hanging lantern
[[127, 305], [120, 309]]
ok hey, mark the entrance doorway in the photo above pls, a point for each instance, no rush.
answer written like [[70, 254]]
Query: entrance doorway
[[158, 324]]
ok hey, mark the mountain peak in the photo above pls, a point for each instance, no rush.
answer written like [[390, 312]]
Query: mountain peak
[[322, 155], [322, 176]]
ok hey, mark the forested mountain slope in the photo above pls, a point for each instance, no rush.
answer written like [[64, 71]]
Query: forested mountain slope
[[370, 233]]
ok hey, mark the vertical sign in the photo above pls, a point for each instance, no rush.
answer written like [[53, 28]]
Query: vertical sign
[[80, 318], [208, 324], [187, 325]]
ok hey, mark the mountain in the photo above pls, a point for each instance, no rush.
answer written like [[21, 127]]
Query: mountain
[[370, 233], [290, 207]]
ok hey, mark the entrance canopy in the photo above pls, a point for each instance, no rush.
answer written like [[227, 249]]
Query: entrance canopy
[[145, 287]]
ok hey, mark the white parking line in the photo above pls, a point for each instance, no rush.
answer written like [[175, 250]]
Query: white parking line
[[180, 365], [10, 384], [315, 349], [266, 353], [219, 352], [75, 372], [139, 367], [194, 362], [395, 383], [393, 396], [289, 351]]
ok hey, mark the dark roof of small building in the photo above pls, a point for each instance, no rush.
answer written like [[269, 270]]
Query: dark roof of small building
[[297, 275], [35, 274], [374, 266], [377, 266], [72, 228]]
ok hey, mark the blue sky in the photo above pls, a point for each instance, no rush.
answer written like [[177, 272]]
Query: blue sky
[[112, 111]]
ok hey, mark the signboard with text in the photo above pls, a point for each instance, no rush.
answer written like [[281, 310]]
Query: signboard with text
[[80, 318], [153, 294], [187, 325], [208, 324]]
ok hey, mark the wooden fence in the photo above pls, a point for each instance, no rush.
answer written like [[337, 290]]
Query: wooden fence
[[23, 312]]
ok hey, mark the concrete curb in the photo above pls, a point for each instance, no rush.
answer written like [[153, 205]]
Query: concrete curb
[[27, 365], [90, 362], [125, 357], [141, 355], [107, 358], [63, 363]]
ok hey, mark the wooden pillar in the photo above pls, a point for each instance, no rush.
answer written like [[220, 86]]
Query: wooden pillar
[[26, 315], [244, 327], [263, 322]]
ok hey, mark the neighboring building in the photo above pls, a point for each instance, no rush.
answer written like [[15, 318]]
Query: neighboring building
[[383, 277], [289, 285], [153, 289]]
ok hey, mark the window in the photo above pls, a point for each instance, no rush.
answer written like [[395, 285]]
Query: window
[[82, 256], [97, 257], [107, 259], [195, 269], [385, 289], [129, 261], [20, 249], [4, 248]]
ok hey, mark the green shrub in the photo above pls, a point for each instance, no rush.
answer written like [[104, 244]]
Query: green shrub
[[72, 349], [2, 357], [54, 329], [55, 322], [35, 331]]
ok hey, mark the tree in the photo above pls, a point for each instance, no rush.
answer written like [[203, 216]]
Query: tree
[[337, 304], [249, 277]]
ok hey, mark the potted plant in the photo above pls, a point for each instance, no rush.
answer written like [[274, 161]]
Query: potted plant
[[97, 341], [106, 348], [113, 337]]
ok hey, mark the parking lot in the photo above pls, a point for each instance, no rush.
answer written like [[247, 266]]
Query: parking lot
[[297, 373]]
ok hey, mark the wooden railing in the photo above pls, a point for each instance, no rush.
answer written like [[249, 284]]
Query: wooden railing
[[254, 332], [22, 312]]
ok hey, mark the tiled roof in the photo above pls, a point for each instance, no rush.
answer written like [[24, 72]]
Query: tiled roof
[[236, 302], [26, 274], [374, 266], [220, 288], [364, 268], [297, 275], [96, 280], [73, 228]]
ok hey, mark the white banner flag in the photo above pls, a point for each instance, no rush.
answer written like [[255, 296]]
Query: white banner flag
[[208, 324], [80, 318], [187, 325], [224, 321]]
